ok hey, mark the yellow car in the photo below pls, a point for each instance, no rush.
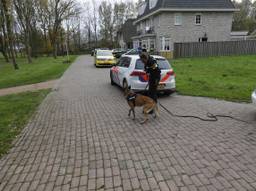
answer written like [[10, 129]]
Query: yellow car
[[104, 58]]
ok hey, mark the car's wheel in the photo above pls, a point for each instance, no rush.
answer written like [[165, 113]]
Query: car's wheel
[[168, 93], [111, 79], [125, 84]]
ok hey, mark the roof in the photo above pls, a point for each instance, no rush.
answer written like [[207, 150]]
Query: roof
[[189, 5]]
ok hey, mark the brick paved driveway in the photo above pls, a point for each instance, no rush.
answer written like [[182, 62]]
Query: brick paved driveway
[[82, 139]]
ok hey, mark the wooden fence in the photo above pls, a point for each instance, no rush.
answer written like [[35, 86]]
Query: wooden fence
[[205, 49]]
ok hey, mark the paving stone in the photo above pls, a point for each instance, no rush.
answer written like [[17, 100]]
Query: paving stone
[[80, 138]]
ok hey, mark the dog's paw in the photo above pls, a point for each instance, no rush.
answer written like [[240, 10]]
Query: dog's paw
[[144, 121]]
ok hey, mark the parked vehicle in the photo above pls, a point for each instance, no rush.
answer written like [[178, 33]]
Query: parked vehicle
[[132, 52], [129, 71], [254, 97], [104, 58], [119, 52], [93, 52]]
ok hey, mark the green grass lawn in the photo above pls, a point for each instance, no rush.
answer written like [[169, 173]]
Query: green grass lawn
[[42, 69], [231, 78], [15, 111]]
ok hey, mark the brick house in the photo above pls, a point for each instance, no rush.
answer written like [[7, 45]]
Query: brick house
[[161, 23]]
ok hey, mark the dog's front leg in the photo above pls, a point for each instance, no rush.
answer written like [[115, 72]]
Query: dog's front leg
[[133, 111], [129, 114]]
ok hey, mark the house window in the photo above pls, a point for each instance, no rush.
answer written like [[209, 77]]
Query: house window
[[145, 44], [165, 44], [136, 44], [178, 19], [152, 44], [152, 4], [198, 19]]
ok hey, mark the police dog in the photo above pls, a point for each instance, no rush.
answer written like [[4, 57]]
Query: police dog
[[138, 100]]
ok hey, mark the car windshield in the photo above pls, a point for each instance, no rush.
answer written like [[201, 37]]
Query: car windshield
[[163, 64], [104, 53], [132, 52]]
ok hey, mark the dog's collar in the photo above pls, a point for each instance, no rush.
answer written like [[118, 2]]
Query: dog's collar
[[131, 97]]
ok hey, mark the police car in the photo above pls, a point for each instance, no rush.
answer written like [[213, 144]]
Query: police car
[[254, 97], [129, 71]]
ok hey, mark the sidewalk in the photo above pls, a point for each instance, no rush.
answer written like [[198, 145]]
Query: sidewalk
[[25, 88]]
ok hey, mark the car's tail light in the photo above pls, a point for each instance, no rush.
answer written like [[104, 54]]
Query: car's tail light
[[137, 73], [171, 73]]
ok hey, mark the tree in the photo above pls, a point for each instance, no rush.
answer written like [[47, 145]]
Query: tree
[[244, 19], [6, 7], [95, 22], [3, 42], [58, 10], [106, 23], [25, 13]]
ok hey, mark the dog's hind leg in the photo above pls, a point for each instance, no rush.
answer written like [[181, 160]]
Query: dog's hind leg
[[146, 110], [156, 111]]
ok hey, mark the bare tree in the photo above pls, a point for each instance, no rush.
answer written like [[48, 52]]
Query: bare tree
[[6, 6], [58, 10], [3, 42], [25, 13], [106, 23], [95, 22]]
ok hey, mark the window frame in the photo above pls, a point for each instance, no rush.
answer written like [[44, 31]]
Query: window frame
[[123, 61], [176, 15], [164, 45], [201, 20]]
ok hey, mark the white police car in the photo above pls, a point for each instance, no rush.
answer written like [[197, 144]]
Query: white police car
[[254, 97], [129, 71]]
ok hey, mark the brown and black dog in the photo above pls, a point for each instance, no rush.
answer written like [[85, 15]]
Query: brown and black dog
[[138, 100]]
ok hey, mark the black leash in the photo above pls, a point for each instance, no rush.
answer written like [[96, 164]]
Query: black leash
[[211, 117]]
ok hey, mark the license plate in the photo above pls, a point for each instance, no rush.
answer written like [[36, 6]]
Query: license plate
[[161, 86]]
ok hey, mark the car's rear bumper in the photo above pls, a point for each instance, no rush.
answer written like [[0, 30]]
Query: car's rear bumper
[[254, 97], [138, 86], [105, 63]]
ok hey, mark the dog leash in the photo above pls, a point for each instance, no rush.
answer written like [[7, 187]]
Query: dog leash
[[211, 117]]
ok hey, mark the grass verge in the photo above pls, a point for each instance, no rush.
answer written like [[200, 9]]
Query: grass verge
[[230, 78], [42, 69], [15, 111]]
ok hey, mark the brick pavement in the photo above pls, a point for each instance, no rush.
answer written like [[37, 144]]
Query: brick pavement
[[82, 139]]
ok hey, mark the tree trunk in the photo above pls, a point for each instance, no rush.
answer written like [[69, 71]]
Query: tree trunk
[[5, 55], [28, 48], [55, 49], [3, 48], [9, 33]]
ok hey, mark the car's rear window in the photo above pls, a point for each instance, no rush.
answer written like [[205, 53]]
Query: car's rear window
[[163, 64], [104, 53]]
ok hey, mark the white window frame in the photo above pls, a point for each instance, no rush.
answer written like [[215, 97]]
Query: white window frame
[[164, 46], [177, 22], [201, 20]]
